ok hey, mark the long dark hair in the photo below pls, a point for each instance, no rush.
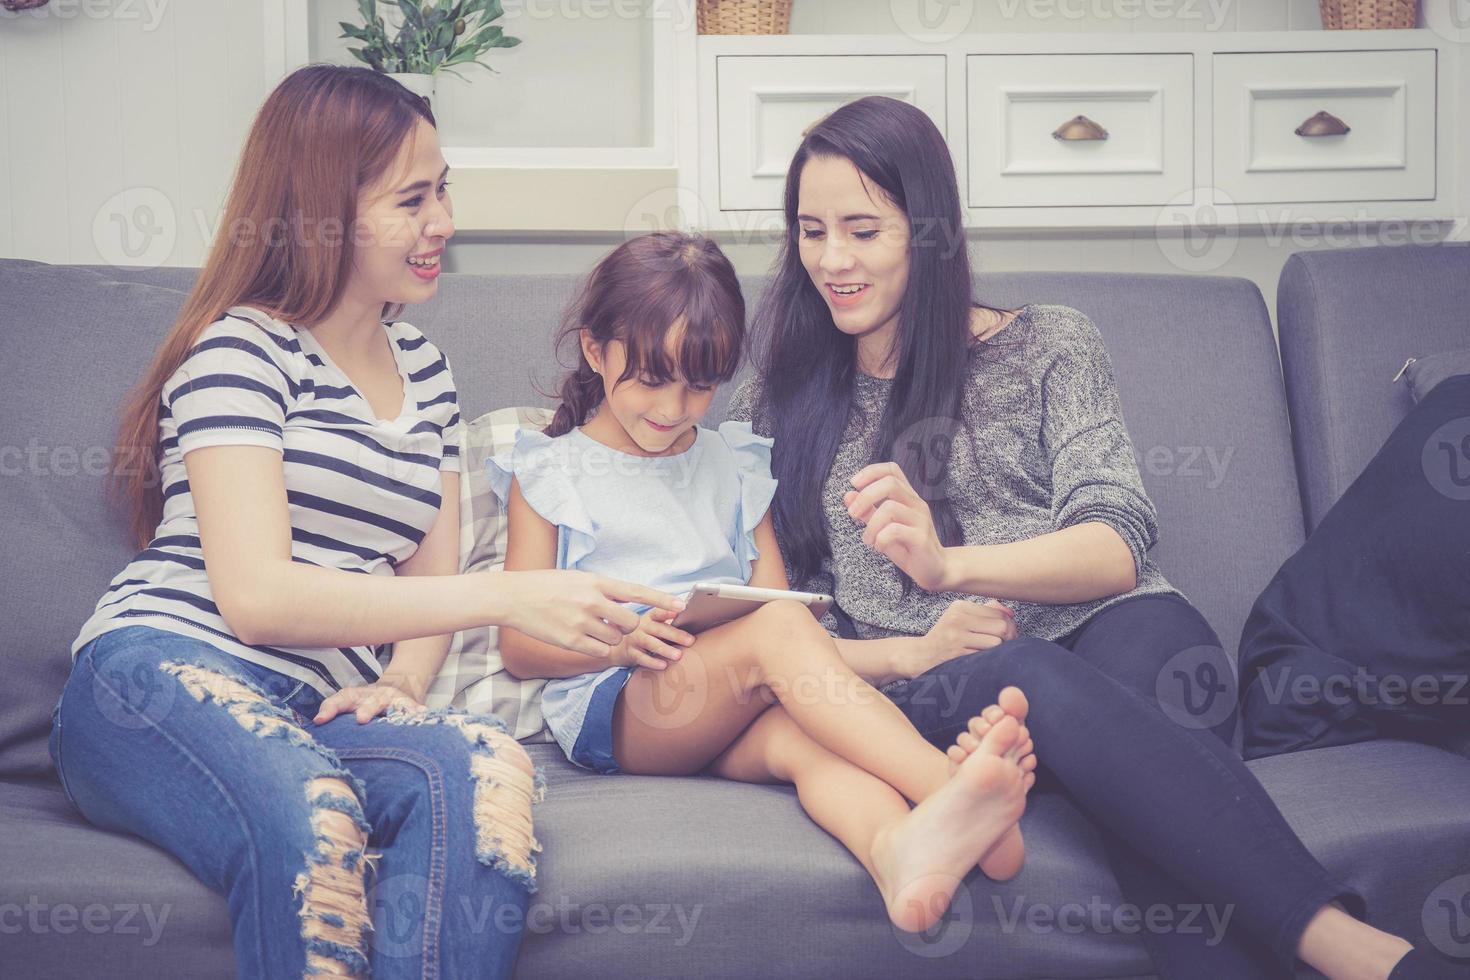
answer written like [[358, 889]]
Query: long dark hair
[[636, 295], [808, 366]]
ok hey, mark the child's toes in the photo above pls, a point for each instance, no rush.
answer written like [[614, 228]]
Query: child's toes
[[969, 743], [979, 726], [993, 714]]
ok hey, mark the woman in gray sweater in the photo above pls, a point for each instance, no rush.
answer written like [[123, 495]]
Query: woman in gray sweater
[[936, 456]]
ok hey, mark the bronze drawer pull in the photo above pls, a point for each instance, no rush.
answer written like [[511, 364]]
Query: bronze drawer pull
[[1323, 123], [1080, 128]]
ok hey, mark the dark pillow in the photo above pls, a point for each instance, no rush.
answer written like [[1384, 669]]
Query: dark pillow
[[1426, 372]]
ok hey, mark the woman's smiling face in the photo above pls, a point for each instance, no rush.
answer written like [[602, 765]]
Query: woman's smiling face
[[854, 243]]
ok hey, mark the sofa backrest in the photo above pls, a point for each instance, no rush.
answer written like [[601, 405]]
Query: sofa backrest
[[1348, 320], [1194, 356]]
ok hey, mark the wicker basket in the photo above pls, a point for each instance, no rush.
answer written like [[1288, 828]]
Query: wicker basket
[[746, 16], [1368, 15]]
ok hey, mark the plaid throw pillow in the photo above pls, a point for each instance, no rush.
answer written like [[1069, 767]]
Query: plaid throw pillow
[[473, 677]]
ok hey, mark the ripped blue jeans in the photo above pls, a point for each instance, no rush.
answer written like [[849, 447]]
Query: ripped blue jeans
[[401, 847]]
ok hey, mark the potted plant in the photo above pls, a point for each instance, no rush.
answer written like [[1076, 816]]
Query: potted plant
[[427, 37]]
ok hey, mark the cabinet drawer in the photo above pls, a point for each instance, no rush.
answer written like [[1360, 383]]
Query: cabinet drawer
[[1021, 106], [1265, 147], [766, 102]]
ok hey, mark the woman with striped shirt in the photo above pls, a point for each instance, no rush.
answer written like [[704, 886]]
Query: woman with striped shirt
[[291, 462]]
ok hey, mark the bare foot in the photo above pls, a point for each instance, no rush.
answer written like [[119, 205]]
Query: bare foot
[[921, 860], [1005, 860]]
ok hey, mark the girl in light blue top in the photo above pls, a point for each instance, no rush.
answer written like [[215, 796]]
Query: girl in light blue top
[[624, 483]]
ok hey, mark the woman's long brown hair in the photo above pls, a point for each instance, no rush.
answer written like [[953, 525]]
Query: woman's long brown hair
[[285, 242]]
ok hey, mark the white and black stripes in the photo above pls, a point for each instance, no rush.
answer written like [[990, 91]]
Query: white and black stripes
[[361, 491]]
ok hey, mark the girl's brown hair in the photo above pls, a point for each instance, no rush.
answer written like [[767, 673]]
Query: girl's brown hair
[[286, 238], [637, 295]]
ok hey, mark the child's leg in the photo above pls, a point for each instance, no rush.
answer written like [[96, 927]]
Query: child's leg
[[720, 684], [916, 857]]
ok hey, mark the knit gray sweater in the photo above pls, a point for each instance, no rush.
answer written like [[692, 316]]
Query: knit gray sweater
[[1040, 446]]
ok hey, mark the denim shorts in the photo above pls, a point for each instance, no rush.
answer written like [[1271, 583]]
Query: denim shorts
[[594, 746]]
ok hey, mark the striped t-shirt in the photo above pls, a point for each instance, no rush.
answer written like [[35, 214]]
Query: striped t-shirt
[[362, 491]]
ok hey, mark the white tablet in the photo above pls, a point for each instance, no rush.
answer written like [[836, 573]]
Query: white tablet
[[711, 604]]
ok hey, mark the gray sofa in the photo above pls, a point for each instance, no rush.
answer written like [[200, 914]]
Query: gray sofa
[[696, 877]]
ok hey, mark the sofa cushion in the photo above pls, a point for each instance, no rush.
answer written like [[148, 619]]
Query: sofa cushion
[[644, 876], [1348, 319], [473, 676], [93, 339]]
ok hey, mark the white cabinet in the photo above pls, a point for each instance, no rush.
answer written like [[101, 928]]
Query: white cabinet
[[1242, 129], [1325, 126], [1079, 130], [766, 103]]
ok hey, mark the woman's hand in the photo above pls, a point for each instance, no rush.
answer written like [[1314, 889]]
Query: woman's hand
[[898, 523], [966, 627], [371, 700], [650, 645], [574, 610]]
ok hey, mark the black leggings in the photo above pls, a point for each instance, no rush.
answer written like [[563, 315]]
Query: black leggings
[[1132, 715]]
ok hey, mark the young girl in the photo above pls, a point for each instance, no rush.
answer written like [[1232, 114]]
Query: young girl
[[625, 481]]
